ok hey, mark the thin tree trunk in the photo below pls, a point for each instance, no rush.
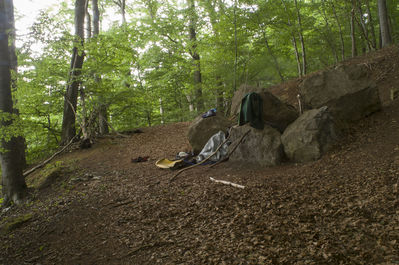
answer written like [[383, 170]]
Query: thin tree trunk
[[96, 17], [71, 96], [161, 111], [293, 40], [329, 37], [219, 95], [276, 64], [123, 12], [371, 23], [102, 109], [363, 25], [353, 36], [88, 21], [301, 39], [235, 47], [12, 156], [84, 124], [196, 58], [190, 103], [122, 7], [213, 15], [384, 23], [340, 31]]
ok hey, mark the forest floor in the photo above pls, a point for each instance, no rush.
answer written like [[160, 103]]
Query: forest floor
[[102, 208]]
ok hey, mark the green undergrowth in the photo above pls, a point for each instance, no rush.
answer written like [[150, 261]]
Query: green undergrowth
[[11, 223], [53, 172]]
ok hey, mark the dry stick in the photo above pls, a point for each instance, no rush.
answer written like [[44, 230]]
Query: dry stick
[[26, 173], [235, 147], [203, 161], [227, 183]]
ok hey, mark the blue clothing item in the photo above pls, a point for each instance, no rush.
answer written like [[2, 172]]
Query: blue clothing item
[[209, 113]]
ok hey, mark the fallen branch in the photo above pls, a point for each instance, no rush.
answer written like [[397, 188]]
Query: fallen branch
[[228, 183], [232, 151], [45, 162], [203, 161], [112, 128]]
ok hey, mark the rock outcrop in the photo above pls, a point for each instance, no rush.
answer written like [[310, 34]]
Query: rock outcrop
[[310, 136], [348, 91], [261, 147], [201, 129], [275, 113]]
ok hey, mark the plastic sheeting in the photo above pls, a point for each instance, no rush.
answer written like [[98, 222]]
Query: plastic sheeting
[[211, 146]]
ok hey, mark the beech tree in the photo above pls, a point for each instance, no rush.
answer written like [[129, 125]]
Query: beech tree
[[12, 156], [195, 55], [71, 95], [384, 23]]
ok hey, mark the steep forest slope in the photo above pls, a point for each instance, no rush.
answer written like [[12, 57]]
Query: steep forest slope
[[96, 206]]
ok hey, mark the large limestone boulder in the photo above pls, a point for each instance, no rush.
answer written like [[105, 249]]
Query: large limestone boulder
[[275, 113], [310, 136], [348, 91], [201, 129], [261, 147]]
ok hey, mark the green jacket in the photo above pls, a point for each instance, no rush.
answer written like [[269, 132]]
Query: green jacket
[[251, 110]]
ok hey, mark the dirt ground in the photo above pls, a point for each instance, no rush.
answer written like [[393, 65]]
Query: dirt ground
[[101, 208]]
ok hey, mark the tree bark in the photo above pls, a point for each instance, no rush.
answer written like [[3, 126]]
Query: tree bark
[[12, 156], [384, 23], [14, 67], [353, 36], [88, 21], [293, 40], [301, 39], [276, 64], [329, 37], [71, 96], [102, 109], [122, 6], [96, 17], [371, 22], [363, 26], [196, 57], [213, 17], [340, 31]]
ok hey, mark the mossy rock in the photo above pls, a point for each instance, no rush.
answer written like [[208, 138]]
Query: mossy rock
[[12, 223], [48, 175]]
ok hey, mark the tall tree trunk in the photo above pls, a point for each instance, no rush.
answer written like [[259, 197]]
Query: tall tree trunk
[[363, 26], [161, 111], [340, 31], [123, 11], [276, 64], [12, 156], [371, 23], [122, 7], [96, 17], [384, 23], [353, 36], [196, 57], [301, 39], [293, 40], [71, 95], [102, 109], [213, 17], [329, 37], [14, 67], [235, 47], [88, 22]]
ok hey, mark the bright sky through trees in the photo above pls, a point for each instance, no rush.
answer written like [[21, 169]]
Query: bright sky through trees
[[27, 10]]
